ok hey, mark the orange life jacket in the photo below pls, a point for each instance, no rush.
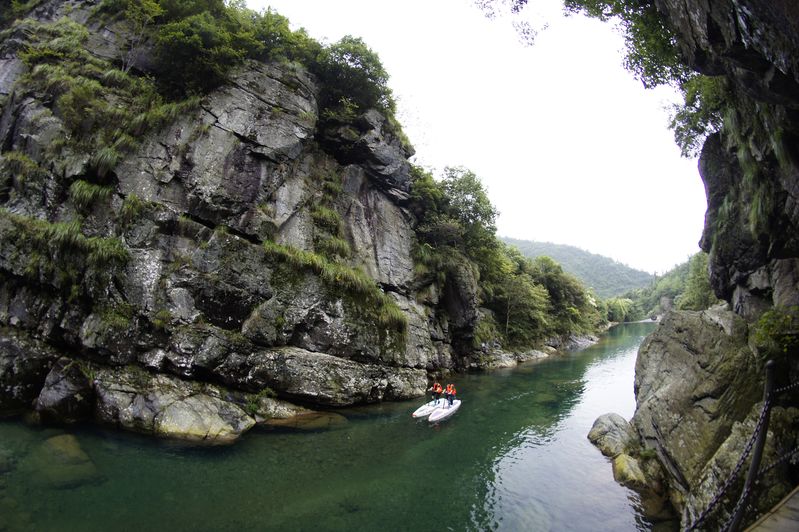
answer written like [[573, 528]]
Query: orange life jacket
[[437, 388], [451, 390]]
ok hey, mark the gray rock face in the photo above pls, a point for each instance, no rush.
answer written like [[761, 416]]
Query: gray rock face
[[753, 44], [699, 376], [697, 389], [224, 216], [612, 434], [692, 378], [329, 380], [369, 142], [24, 364]]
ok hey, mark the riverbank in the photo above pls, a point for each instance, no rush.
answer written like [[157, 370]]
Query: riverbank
[[493, 358]]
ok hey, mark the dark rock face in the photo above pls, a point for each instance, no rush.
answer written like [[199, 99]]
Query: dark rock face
[[201, 313], [24, 365], [752, 43], [67, 394], [699, 376]]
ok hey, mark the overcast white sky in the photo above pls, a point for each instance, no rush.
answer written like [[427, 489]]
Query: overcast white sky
[[571, 148]]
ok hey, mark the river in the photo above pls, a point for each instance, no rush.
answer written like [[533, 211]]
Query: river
[[515, 457]]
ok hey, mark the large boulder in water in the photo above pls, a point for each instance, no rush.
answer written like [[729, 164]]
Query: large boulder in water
[[163, 406], [612, 434]]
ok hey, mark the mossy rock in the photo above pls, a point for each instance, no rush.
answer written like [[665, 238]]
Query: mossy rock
[[627, 472]]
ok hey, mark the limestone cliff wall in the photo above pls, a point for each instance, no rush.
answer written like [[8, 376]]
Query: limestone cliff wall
[[213, 212]]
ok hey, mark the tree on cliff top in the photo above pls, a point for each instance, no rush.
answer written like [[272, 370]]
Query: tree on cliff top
[[349, 69], [529, 300]]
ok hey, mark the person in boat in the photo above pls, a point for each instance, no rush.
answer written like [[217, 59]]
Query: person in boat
[[436, 389], [450, 392]]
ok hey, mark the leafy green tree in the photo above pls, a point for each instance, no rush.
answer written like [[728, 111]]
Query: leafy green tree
[[687, 285], [568, 299], [350, 69], [704, 101], [280, 42], [652, 52], [467, 202], [619, 309], [698, 294], [182, 9], [653, 56], [195, 54], [141, 15], [526, 305]]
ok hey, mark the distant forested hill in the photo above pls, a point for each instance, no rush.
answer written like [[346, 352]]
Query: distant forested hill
[[607, 277]]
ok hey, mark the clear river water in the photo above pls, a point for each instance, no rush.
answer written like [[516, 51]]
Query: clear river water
[[514, 457]]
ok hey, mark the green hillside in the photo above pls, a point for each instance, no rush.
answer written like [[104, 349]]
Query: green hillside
[[607, 277]]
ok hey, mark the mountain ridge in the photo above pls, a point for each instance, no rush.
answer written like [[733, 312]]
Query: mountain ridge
[[607, 277]]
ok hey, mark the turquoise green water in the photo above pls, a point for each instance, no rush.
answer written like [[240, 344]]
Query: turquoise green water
[[515, 457]]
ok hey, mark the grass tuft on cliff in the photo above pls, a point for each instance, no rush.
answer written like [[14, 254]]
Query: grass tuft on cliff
[[347, 279]]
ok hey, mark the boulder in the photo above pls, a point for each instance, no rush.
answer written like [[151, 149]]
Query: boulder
[[68, 393], [135, 400], [327, 380], [628, 472], [612, 434]]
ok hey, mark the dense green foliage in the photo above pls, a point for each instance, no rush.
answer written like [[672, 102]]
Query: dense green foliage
[[529, 300], [700, 114], [198, 42], [60, 254], [684, 287], [350, 70], [606, 277], [698, 294], [104, 109], [12, 9], [777, 331]]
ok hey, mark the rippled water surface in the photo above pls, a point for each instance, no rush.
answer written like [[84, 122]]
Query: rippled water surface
[[514, 457]]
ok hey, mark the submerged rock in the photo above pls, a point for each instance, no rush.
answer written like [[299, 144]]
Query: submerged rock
[[60, 462], [6, 460], [309, 421]]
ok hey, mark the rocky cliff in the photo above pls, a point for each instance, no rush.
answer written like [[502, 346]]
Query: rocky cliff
[[699, 377], [233, 250]]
